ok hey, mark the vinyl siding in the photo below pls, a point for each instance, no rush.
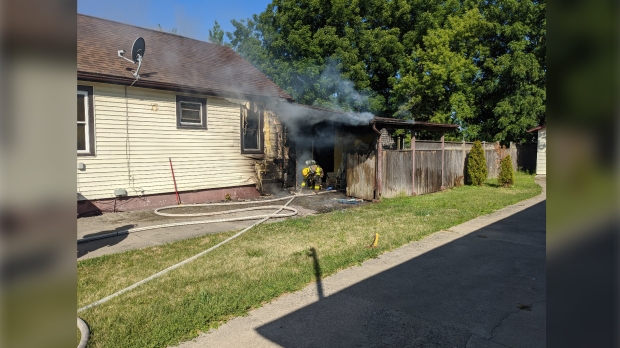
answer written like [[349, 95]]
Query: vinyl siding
[[133, 144], [541, 158]]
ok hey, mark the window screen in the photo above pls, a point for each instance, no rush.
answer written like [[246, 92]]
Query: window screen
[[85, 121], [191, 112], [81, 121]]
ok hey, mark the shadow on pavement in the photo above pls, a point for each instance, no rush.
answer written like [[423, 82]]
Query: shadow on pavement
[[317, 273], [487, 292], [87, 247]]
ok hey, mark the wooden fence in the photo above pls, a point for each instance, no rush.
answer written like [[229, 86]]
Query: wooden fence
[[361, 175], [397, 168]]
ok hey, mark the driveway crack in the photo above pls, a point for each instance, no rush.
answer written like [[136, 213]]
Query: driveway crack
[[506, 317]]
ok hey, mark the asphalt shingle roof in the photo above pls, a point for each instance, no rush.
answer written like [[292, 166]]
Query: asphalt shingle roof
[[170, 62]]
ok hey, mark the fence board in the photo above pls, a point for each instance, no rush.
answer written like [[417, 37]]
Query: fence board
[[397, 170], [361, 175], [454, 168], [427, 171]]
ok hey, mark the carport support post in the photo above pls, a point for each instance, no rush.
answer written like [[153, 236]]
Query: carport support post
[[413, 162], [442, 159], [379, 166], [378, 163]]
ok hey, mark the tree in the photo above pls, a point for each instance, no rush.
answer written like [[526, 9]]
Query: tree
[[506, 176], [171, 31], [476, 165], [482, 67], [309, 48], [216, 34], [478, 64]]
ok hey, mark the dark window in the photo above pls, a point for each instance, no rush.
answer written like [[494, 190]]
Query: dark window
[[252, 129], [85, 121], [191, 112]]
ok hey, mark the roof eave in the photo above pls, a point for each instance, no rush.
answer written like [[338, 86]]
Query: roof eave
[[119, 80], [537, 128], [435, 127]]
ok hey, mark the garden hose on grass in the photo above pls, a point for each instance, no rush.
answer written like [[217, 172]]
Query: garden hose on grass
[[82, 325], [84, 333]]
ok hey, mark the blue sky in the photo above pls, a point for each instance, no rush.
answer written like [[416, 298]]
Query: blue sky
[[192, 18]]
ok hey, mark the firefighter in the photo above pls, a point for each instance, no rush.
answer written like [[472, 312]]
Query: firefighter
[[312, 176]]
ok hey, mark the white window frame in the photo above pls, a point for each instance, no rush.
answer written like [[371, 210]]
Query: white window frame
[[85, 122], [199, 114]]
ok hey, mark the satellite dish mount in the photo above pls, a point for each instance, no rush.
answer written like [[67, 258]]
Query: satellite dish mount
[[137, 53]]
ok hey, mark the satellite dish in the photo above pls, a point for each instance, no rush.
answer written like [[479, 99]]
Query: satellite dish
[[137, 50], [137, 53]]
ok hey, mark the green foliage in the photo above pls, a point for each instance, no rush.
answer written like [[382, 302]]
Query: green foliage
[[478, 64], [216, 35], [476, 165], [171, 31], [506, 176]]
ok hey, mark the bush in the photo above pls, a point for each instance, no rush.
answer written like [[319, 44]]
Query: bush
[[477, 165], [506, 173]]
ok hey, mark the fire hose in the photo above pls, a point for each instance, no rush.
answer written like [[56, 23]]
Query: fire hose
[[264, 217]]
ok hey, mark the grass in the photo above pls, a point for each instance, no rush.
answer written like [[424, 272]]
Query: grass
[[266, 262]]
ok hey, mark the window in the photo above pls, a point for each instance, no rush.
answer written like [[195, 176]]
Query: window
[[252, 129], [191, 112], [85, 121]]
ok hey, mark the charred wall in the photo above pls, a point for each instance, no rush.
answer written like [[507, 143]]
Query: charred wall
[[277, 168]]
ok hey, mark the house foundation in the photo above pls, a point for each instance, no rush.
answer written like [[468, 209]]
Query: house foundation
[[110, 205]]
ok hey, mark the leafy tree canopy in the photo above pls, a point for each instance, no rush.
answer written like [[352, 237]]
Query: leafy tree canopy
[[478, 64]]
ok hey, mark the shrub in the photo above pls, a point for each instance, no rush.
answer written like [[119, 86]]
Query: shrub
[[477, 165], [506, 173]]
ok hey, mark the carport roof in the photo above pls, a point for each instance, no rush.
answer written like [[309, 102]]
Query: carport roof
[[410, 124], [340, 116]]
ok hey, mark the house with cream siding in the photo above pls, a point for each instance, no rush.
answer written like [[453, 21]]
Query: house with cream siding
[[198, 109], [541, 152]]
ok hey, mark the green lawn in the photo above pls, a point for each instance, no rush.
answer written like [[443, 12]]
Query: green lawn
[[264, 263]]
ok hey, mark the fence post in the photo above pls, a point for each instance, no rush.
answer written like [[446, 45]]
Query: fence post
[[464, 159], [513, 155], [413, 170], [378, 162], [442, 160]]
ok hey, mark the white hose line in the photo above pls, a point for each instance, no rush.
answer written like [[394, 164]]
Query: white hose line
[[252, 217], [84, 332], [160, 273], [157, 211], [84, 327], [187, 223]]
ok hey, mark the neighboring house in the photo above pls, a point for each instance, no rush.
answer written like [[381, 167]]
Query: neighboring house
[[541, 155], [199, 104]]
